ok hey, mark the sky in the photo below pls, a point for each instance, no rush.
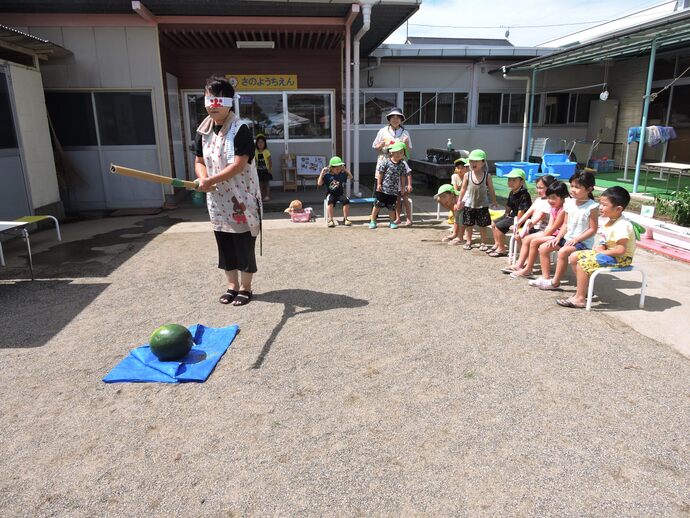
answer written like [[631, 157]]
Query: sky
[[452, 18]]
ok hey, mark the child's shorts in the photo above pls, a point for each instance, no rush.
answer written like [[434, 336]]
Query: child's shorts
[[590, 261], [503, 224], [335, 198], [385, 200], [578, 246], [479, 217]]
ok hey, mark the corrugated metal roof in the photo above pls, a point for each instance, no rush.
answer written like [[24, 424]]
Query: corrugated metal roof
[[18, 40], [671, 32]]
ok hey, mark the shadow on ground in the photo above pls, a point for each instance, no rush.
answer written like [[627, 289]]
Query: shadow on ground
[[28, 309], [307, 301], [95, 256], [615, 300]]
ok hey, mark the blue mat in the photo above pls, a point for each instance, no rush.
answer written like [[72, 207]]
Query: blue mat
[[210, 343]]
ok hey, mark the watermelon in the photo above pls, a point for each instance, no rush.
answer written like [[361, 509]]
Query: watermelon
[[171, 342]]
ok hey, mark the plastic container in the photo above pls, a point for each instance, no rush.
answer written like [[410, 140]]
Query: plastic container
[[531, 170], [558, 164]]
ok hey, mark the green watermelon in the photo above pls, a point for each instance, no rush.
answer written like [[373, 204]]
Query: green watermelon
[[171, 342]]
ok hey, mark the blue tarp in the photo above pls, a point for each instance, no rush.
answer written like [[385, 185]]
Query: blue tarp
[[210, 343]]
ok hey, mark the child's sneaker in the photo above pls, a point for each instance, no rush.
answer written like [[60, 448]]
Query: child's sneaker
[[331, 223], [347, 222], [536, 282], [372, 224], [393, 225]]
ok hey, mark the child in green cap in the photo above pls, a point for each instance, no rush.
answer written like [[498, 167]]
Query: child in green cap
[[389, 183], [474, 198], [519, 201], [335, 176]]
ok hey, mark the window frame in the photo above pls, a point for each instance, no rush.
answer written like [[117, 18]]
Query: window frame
[[400, 101]]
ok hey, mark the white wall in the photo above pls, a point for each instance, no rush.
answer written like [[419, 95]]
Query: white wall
[[34, 135], [499, 141], [110, 58]]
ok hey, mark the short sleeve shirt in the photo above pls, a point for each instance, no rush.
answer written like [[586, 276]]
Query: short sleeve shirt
[[619, 229], [541, 206], [518, 201], [244, 145], [335, 183], [390, 183], [578, 219], [261, 159]]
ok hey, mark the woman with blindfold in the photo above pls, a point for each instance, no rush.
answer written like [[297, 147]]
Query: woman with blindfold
[[225, 172]]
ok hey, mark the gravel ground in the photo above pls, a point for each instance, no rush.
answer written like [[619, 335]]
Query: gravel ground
[[376, 373]]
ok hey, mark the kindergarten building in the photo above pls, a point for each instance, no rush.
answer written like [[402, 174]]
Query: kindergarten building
[[121, 82]]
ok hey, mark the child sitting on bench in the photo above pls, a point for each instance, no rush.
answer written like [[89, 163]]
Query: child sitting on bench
[[615, 249], [335, 176]]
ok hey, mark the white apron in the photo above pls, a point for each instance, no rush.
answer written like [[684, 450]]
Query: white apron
[[236, 204]]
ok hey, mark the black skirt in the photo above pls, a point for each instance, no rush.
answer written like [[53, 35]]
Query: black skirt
[[236, 251]]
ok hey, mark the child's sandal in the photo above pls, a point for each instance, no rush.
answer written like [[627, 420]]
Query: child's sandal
[[467, 246], [484, 248]]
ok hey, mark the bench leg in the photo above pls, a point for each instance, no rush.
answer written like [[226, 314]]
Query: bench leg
[[57, 226], [28, 249], [590, 289], [2, 256], [325, 210]]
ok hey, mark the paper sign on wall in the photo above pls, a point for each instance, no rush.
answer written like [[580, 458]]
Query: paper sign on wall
[[310, 165]]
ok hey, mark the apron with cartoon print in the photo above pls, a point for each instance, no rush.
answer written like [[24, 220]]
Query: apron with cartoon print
[[235, 205]]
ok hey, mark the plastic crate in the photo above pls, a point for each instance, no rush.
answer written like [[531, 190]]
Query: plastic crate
[[601, 166], [530, 169]]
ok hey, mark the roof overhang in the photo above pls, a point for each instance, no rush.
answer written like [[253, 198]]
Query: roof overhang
[[298, 23], [22, 43], [457, 51], [669, 33]]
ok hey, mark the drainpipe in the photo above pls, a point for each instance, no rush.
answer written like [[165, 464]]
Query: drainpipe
[[354, 11], [523, 150], [645, 111], [366, 21], [531, 112]]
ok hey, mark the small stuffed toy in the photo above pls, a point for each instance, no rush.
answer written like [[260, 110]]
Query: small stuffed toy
[[295, 206]]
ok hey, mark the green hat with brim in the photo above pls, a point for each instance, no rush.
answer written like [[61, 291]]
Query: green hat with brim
[[446, 187], [477, 154], [516, 173], [463, 161], [398, 146], [336, 161]]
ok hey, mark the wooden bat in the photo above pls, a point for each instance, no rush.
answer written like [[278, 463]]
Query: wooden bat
[[150, 177]]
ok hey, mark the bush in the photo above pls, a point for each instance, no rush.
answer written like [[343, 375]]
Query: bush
[[677, 206]]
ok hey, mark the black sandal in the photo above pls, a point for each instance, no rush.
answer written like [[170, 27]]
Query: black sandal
[[227, 297], [243, 297]]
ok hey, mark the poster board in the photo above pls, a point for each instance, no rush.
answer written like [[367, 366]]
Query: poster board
[[310, 165]]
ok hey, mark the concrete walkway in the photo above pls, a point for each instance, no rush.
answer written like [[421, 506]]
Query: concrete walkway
[[376, 373]]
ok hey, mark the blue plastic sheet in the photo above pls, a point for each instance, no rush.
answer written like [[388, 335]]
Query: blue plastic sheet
[[210, 343]]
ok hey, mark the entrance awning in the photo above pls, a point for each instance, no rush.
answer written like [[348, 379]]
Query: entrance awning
[[14, 41]]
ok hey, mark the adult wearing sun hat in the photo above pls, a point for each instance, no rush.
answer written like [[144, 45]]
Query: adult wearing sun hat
[[394, 132]]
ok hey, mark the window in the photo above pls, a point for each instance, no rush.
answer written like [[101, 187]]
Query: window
[[265, 113], [556, 109], [71, 114], [309, 116], [411, 107], [579, 107], [8, 137], [460, 107], [125, 118], [680, 108], [435, 107], [489, 111], [513, 111], [376, 106]]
